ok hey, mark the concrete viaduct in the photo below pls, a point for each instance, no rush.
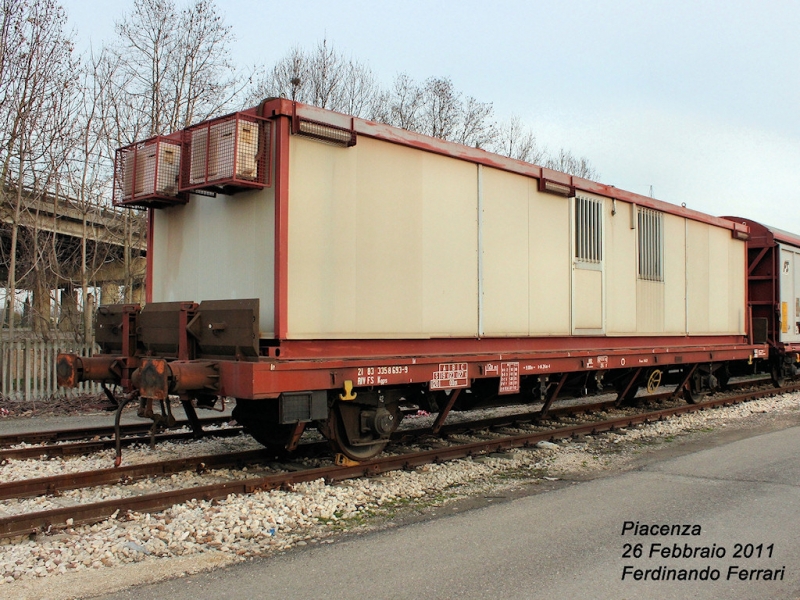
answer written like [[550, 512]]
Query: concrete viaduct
[[115, 243]]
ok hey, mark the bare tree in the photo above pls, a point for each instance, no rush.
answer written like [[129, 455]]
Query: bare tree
[[327, 70], [567, 162], [405, 102], [167, 69], [87, 181], [476, 127], [515, 140], [38, 80], [172, 66], [441, 108], [437, 109], [323, 77], [359, 93], [287, 79], [326, 78]]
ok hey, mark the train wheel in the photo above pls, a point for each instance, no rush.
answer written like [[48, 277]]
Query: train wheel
[[778, 376], [347, 424], [274, 436], [690, 396], [262, 424]]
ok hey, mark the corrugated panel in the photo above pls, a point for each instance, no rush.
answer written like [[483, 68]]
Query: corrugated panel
[[674, 275], [620, 269], [697, 278], [649, 307]]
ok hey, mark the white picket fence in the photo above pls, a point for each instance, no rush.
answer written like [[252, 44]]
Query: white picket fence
[[28, 369]]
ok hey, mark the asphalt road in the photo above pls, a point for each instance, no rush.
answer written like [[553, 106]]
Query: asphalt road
[[567, 543]]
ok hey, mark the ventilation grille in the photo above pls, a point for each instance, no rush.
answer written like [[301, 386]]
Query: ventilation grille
[[323, 132]]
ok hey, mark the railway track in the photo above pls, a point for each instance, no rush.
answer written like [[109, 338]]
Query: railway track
[[80, 441], [98, 445], [88, 513], [88, 433], [59, 483], [97, 439]]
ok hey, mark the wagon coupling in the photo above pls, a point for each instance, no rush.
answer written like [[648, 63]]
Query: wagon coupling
[[72, 369], [156, 378]]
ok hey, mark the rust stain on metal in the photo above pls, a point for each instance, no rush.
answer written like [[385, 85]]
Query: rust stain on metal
[[67, 366], [152, 379]]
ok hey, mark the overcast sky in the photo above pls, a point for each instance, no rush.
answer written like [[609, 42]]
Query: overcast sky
[[697, 99]]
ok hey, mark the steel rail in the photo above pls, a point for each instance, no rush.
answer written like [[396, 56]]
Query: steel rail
[[26, 488], [44, 521], [40, 486], [79, 448], [58, 483], [142, 429], [83, 433], [87, 433]]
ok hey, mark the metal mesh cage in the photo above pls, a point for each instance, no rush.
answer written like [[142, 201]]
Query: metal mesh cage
[[146, 174], [228, 154]]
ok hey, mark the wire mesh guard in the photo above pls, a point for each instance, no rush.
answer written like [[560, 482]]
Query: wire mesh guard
[[146, 174], [226, 154]]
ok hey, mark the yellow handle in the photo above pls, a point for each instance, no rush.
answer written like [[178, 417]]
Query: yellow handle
[[348, 391]]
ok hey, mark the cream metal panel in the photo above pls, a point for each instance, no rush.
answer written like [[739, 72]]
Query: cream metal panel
[[215, 248], [674, 274], [550, 263], [388, 239], [526, 257], [621, 285], [450, 247], [322, 276], [789, 312], [737, 276], [715, 274], [505, 253], [697, 277], [588, 306], [382, 242], [649, 307], [719, 288]]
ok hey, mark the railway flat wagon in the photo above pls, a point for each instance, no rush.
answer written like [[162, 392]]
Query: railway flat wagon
[[325, 269]]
